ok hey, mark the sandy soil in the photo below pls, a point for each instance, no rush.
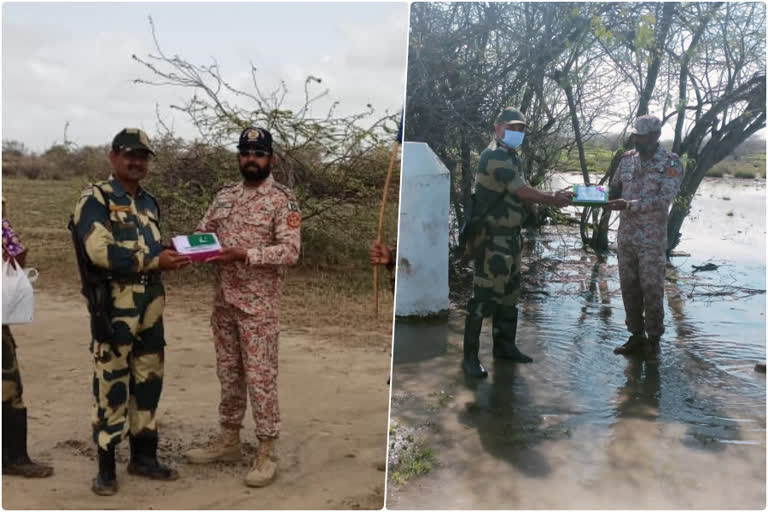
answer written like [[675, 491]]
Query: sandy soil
[[333, 399]]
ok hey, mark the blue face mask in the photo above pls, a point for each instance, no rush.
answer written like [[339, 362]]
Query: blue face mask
[[512, 138]]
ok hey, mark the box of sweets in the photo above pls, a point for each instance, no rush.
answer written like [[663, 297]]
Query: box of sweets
[[592, 195]]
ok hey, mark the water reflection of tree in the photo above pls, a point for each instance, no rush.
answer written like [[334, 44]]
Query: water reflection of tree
[[597, 289]]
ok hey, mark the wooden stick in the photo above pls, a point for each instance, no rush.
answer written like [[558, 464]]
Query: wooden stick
[[392, 157]]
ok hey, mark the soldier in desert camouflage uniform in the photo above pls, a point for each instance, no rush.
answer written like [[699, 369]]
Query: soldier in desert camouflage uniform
[[646, 182], [117, 222], [258, 224], [496, 244]]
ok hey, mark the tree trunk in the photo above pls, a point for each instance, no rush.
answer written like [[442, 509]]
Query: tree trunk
[[576, 129], [657, 56], [466, 177]]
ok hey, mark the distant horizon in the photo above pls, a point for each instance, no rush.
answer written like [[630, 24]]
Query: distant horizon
[[757, 136]]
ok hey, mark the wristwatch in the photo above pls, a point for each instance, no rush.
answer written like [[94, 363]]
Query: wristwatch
[[629, 206]]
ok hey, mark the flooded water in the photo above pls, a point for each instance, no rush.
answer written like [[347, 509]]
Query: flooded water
[[582, 427]]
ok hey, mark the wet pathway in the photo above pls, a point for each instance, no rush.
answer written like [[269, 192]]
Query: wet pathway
[[582, 427]]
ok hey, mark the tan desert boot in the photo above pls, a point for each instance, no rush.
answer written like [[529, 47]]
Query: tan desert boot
[[225, 447], [264, 468]]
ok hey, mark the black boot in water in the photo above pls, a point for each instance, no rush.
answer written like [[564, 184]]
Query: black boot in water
[[472, 327], [505, 334]]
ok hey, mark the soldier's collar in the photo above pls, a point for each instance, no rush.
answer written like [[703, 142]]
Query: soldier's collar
[[119, 191], [117, 188], [263, 188], [500, 144]]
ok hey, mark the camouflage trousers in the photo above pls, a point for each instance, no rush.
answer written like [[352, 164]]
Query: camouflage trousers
[[641, 274], [12, 389], [128, 373], [246, 364], [496, 280]]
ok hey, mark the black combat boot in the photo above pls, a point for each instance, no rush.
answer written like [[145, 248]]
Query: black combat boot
[[636, 344], [472, 327], [105, 483], [504, 335], [144, 460], [15, 458]]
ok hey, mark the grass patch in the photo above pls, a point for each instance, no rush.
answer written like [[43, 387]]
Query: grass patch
[[409, 456], [419, 464]]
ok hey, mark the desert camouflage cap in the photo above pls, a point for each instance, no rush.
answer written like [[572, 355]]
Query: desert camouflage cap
[[646, 124], [511, 115], [130, 139]]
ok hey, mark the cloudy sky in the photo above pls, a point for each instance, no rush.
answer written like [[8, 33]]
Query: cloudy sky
[[67, 62]]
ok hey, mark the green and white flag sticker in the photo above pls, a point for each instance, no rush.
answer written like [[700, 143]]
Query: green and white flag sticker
[[196, 243], [199, 239]]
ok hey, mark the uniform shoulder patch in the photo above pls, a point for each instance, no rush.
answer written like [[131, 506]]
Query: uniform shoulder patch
[[293, 220]]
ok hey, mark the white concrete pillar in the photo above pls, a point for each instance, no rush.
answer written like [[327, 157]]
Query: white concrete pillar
[[422, 264]]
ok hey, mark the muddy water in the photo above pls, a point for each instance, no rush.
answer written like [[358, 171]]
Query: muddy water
[[582, 427]]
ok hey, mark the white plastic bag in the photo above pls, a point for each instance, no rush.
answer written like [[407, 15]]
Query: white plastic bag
[[18, 296]]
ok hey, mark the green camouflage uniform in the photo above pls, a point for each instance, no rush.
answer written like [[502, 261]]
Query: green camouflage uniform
[[496, 250], [121, 234], [496, 245]]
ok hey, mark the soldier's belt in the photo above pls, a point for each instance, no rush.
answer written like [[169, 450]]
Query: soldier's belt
[[143, 278]]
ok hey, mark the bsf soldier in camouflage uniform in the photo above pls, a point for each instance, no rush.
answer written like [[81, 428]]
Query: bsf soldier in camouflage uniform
[[117, 222], [643, 188], [500, 189], [16, 461], [258, 224]]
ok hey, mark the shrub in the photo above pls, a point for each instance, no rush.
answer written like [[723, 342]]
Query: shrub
[[715, 172], [744, 175]]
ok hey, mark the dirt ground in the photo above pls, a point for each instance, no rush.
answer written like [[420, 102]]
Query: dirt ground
[[333, 400]]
